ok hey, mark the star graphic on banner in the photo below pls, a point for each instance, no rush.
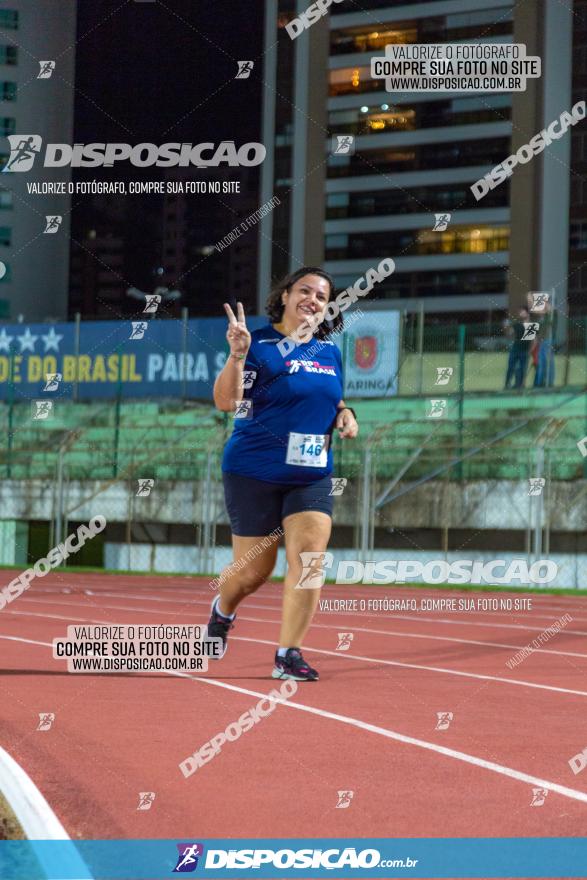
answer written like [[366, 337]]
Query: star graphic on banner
[[27, 340], [5, 340], [52, 339]]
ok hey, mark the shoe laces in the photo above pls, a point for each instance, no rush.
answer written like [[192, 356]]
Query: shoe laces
[[225, 624], [295, 657]]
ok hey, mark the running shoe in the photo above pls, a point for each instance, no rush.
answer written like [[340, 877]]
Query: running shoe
[[218, 627], [293, 666]]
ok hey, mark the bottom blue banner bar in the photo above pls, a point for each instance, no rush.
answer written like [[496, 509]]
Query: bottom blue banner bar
[[555, 857]]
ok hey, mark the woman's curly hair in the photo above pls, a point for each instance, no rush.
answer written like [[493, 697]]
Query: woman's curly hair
[[274, 307]]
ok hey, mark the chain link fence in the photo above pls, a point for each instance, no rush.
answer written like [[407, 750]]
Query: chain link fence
[[475, 357]]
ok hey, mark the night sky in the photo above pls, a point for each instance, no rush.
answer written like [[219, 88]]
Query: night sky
[[160, 72], [164, 71]]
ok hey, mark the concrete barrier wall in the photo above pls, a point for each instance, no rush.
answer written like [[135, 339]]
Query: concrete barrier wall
[[571, 570], [488, 504]]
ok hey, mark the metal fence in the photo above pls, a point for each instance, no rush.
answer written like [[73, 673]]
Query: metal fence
[[477, 355], [153, 470], [160, 490]]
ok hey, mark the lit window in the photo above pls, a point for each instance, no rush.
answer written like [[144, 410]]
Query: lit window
[[464, 240]]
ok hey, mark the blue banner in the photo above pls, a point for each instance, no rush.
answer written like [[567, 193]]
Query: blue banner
[[138, 358], [287, 858], [151, 358]]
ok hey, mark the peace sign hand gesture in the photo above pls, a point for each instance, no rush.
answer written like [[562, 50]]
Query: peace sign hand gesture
[[237, 335]]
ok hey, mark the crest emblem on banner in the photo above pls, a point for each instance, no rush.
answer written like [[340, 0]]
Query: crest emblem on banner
[[367, 350]]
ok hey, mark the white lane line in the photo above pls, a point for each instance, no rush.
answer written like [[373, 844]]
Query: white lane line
[[199, 592], [409, 635], [196, 590], [408, 740], [501, 769], [379, 662], [383, 632], [530, 684], [497, 625], [395, 617], [36, 818]]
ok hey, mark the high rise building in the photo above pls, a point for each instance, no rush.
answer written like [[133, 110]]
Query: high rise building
[[193, 225], [37, 99], [414, 155], [578, 231]]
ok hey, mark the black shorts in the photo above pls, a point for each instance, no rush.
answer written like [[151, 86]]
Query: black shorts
[[257, 508]]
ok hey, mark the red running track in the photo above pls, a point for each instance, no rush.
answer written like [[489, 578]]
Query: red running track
[[368, 726]]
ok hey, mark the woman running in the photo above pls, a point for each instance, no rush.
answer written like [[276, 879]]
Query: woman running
[[277, 463]]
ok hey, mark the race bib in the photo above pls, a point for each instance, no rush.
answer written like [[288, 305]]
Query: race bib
[[307, 450]]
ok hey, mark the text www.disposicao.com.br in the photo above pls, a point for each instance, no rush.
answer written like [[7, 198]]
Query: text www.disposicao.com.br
[[134, 664]]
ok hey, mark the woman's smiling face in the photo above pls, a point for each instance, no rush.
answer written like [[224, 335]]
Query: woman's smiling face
[[306, 301]]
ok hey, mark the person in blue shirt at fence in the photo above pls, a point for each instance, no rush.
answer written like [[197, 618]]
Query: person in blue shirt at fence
[[287, 399]]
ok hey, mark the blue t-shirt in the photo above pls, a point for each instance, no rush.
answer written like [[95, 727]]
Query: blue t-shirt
[[288, 411]]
